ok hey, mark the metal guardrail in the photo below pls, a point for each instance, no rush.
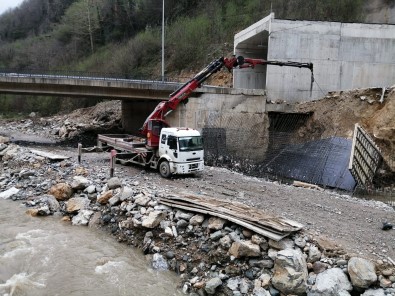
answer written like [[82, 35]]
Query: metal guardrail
[[61, 74]]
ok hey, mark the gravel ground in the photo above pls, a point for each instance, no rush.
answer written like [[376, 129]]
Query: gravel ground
[[352, 223]]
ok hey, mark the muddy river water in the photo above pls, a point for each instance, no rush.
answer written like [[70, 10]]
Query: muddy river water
[[44, 256]]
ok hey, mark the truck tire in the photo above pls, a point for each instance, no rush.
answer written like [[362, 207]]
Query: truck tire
[[164, 169]]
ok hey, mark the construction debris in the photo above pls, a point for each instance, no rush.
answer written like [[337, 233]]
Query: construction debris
[[254, 219], [365, 158]]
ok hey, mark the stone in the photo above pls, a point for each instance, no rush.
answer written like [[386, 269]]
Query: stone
[[181, 224], [314, 254], [290, 272], [76, 204], [212, 284], [114, 201], [362, 272], [331, 282], [341, 262], [32, 212], [215, 223], [159, 262], [126, 193], [82, 218], [105, 197], [225, 242], [25, 174], [51, 202], [153, 220], [245, 285], [196, 220], [9, 193], [4, 140], [216, 235], [126, 224], [244, 249], [258, 240], [43, 211], [319, 267], [260, 292], [79, 183], [233, 283], [95, 220], [265, 279], [300, 242], [90, 189], [387, 272], [385, 283], [183, 215], [61, 191], [143, 200], [372, 292], [114, 183], [247, 233], [283, 244]]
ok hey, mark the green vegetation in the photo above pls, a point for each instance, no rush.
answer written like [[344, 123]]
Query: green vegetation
[[124, 36]]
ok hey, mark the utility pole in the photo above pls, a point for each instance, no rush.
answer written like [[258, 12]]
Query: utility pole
[[163, 40]]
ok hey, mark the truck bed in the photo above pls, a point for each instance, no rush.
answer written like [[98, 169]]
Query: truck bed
[[125, 142]]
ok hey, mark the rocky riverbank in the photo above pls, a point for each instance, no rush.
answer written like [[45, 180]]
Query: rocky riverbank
[[212, 256]]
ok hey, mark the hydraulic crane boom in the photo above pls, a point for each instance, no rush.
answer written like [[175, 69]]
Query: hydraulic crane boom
[[156, 120]]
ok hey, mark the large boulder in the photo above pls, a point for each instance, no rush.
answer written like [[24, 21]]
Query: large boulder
[[362, 272], [331, 282], [61, 191], [290, 272], [244, 249]]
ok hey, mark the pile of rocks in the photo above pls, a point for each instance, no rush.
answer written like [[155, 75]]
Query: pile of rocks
[[212, 255], [103, 116]]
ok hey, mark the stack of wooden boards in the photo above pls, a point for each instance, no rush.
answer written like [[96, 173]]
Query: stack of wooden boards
[[257, 220]]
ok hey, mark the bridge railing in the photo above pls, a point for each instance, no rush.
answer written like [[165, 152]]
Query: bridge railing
[[105, 76]]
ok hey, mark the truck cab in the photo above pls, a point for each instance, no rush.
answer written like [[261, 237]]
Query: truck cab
[[180, 151]]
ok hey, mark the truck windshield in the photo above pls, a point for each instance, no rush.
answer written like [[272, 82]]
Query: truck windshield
[[190, 143]]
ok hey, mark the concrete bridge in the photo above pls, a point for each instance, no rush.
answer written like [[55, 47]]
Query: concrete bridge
[[140, 97], [95, 87]]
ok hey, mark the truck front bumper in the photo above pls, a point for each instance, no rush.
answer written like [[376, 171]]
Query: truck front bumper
[[187, 168]]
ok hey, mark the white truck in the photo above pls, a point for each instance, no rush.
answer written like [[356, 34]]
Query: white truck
[[180, 151]]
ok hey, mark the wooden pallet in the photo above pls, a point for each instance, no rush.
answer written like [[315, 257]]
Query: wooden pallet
[[254, 219]]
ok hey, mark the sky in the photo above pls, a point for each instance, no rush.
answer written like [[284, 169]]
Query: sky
[[6, 4]]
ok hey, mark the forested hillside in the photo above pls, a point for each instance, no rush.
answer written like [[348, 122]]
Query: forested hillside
[[124, 36]]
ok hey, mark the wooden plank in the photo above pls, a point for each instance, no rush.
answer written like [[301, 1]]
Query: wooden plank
[[194, 208], [261, 231], [237, 209], [49, 155]]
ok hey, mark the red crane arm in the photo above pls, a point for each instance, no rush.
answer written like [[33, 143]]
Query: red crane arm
[[184, 91]]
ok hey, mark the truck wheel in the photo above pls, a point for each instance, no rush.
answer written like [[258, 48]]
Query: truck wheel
[[164, 169]]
